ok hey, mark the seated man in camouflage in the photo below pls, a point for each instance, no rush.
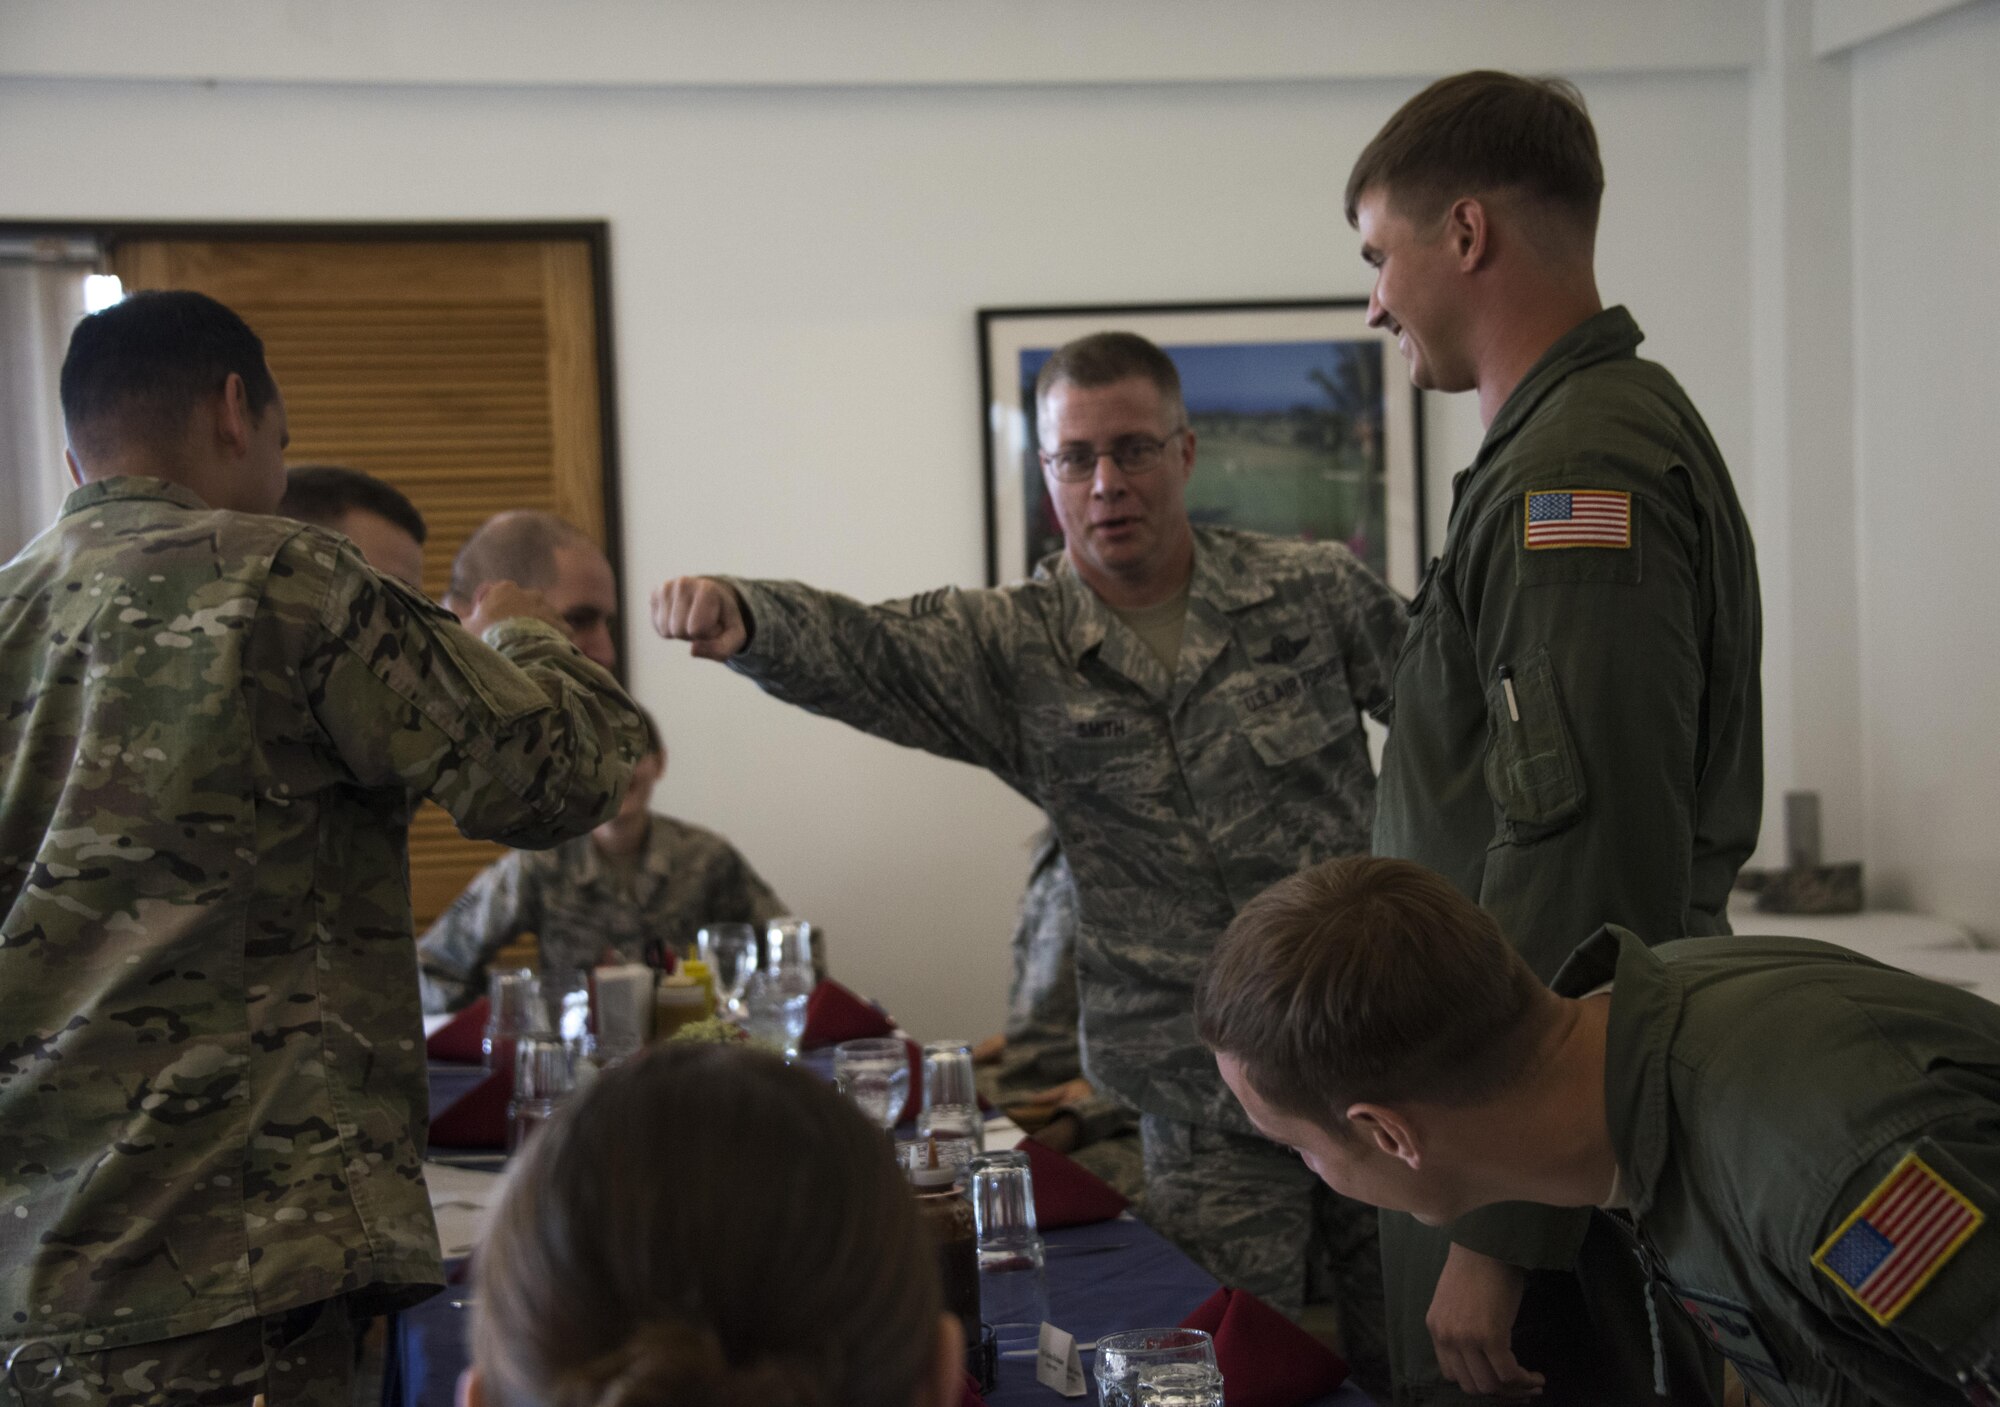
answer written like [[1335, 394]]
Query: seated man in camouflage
[[638, 884], [1800, 1145], [214, 721], [369, 512], [1034, 1069]]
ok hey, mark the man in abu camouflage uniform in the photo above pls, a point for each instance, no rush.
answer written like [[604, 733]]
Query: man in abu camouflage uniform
[[211, 1072], [638, 883], [1186, 706], [1034, 1067]]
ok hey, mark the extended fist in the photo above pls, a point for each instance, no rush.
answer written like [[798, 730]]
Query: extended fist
[[703, 611]]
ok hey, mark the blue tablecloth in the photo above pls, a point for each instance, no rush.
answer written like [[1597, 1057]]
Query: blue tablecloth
[[1114, 1275]]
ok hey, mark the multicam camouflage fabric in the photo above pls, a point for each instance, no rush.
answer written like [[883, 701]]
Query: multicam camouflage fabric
[[578, 904], [211, 1071], [1176, 799]]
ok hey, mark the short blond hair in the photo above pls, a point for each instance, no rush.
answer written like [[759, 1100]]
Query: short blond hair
[[1368, 980]]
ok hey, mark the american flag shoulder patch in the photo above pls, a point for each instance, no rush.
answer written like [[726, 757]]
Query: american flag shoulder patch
[[1577, 518], [1898, 1238]]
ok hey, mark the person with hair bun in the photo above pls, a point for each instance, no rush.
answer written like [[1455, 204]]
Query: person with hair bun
[[708, 1227]]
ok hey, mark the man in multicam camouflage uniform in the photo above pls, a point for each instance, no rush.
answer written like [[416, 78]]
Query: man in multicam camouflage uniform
[[639, 882], [1186, 706], [211, 1079], [1034, 1068]]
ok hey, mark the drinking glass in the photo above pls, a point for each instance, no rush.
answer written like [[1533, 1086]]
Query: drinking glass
[[788, 942], [775, 1008], [730, 950], [876, 1076], [951, 1101], [1158, 1368], [543, 1078], [1013, 1290], [514, 1010]]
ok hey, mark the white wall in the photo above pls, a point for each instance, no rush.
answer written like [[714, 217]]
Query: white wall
[[1927, 206], [795, 276]]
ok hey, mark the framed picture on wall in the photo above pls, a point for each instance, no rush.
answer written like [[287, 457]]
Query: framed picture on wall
[[1305, 425]]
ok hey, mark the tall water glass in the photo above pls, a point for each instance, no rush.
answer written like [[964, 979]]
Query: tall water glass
[[730, 950], [951, 1101], [514, 1010], [875, 1074], [1158, 1368], [543, 1078], [1013, 1288], [788, 942]]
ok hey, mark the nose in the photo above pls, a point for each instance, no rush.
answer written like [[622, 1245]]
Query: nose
[[1377, 314], [1107, 480], [597, 645]]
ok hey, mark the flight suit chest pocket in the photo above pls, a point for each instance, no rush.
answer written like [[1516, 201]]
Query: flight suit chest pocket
[[1532, 767]]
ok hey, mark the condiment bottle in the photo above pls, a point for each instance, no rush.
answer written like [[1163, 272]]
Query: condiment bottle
[[701, 972], [678, 1001], [945, 1209]]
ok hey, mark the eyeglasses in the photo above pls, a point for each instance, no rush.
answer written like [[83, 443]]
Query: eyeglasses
[[1133, 454]]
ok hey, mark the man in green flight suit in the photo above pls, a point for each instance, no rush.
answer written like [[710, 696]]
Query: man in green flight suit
[[1800, 1145], [1577, 733], [215, 722]]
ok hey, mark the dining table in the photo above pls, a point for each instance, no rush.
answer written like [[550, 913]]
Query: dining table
[[1103, 1277]]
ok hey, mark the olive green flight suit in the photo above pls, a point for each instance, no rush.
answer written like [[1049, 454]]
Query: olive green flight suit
[[1576, 739], [1760, 1092]]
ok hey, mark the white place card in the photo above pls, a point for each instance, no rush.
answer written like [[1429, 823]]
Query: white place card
[[1058, 1365]]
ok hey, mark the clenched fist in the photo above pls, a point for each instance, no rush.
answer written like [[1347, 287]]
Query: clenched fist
[[703, 611]]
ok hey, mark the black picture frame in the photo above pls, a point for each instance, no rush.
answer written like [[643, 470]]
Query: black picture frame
[[1305, 424]]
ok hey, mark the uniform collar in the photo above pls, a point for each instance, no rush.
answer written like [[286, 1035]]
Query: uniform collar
[[1646, 1000], [1598, 338], [654, 855], [132, 486], [1223, 581]]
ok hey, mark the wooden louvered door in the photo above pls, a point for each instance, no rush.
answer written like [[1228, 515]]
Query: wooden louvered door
[[462, 371]]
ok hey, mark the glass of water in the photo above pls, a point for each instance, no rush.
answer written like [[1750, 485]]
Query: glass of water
[[876, 1076], [951, 1101], [1158, 1368], [1013, 1288], [544, 1076], [730, 950]]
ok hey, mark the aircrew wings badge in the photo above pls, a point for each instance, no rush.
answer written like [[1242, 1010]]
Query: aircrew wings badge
[[1898, 1238], [1577, 518]]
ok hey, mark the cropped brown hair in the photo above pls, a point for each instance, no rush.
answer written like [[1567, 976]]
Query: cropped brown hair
[[1105, 359], [707, 1227], [1369, 980], [1485, 131]]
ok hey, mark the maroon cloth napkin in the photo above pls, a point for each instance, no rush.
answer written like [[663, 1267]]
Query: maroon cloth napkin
[[458, 1040], [1069, 1194], [1266, 1359], [835, 1014], [968, 1392], [479, 1118]]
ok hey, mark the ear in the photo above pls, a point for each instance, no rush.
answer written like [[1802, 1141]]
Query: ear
[[233, 420], [470, 1392], [75, 469], [1469, 228], [1390, 1131], [948, 1379]]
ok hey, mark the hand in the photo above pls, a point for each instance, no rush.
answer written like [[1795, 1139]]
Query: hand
[[503, 600], [1061, 1133], [1471, 1322], [702, 610], [989, 1051], [1068, 1092]]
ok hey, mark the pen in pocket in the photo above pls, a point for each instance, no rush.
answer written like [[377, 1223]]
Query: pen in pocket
[[1507, 688]]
